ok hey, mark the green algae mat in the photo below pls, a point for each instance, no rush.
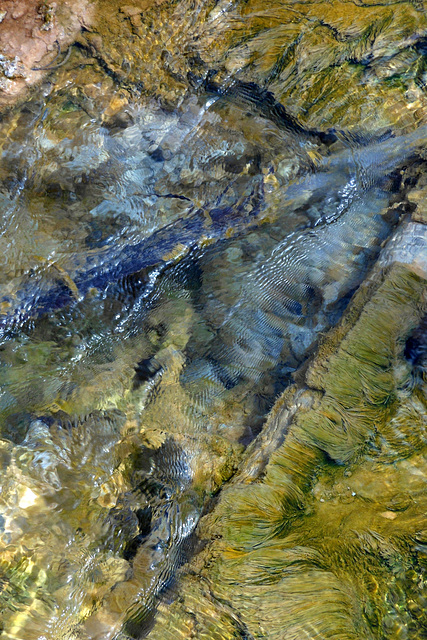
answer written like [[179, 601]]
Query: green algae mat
[[330, 541]]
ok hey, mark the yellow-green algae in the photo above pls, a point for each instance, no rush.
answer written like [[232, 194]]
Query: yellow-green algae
[[35, 588], [333, 63], [332, 542]]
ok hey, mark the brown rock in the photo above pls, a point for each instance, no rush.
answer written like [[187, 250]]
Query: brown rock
[[18, 12], [419, 197], [130, 11], [31, 32], [136, 21]]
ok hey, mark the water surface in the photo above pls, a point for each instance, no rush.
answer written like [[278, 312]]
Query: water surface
[[165, 271]]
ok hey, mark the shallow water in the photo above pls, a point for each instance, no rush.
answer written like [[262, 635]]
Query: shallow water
[[164, 273]]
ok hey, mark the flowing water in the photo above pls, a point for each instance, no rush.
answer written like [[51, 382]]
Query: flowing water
[[170, 257]]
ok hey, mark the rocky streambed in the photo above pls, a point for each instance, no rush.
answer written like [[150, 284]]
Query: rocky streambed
[[213, 321]]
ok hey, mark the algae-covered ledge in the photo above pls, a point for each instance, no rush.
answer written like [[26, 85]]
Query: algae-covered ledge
[[331, 540]]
